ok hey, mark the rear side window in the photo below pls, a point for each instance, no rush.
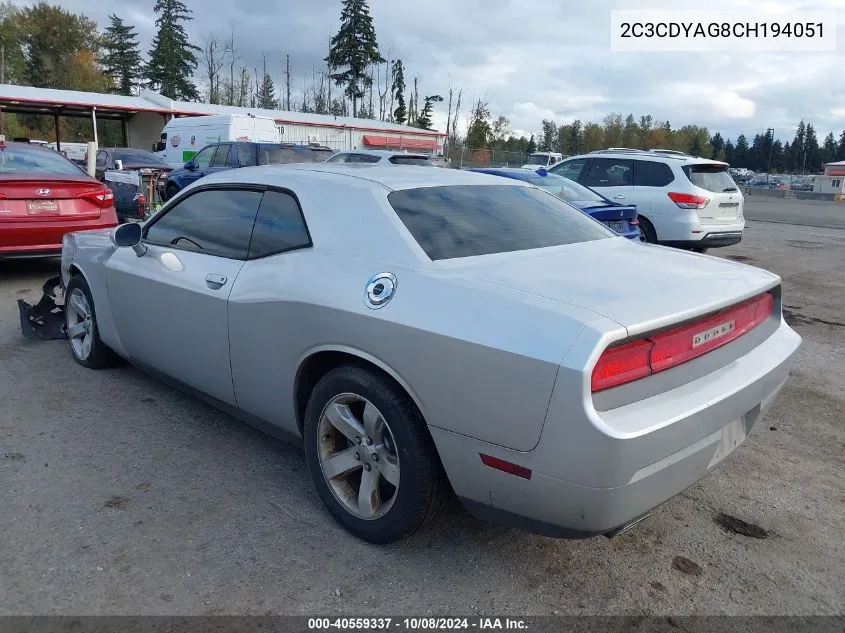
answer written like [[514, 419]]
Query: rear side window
[[246, 156], [714, 178], [212, 222], [362, 158], [648, 173], [411, 160], [221, 158], [279, 226], [470, 220]]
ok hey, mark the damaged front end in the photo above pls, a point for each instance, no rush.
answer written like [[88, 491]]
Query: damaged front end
[[46, 319]]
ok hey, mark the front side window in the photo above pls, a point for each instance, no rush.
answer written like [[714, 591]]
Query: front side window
[[279, 226], [203, 158], [610, 172], [213, 222], [470, 220], [338, 158], [362, 159], [570, 169], [102, 159]]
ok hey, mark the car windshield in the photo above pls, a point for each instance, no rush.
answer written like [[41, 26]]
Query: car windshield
[[537, 159], [138, 157], [26, 160], [567, 189], [714, 178], [470, 220]]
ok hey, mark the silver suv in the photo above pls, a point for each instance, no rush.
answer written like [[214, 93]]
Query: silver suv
[[681, 200]]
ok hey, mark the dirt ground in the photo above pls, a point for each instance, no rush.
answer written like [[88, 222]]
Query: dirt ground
[[122, 496]]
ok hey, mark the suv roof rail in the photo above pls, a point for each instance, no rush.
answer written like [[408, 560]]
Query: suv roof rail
[[672, 152], [616, 149]]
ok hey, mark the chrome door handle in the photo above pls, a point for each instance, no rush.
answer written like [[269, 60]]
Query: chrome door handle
[[215, 279]]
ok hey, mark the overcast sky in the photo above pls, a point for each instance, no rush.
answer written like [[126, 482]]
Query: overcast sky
[[538, 60]]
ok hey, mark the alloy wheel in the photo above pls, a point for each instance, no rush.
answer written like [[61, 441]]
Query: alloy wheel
[[358, 456]]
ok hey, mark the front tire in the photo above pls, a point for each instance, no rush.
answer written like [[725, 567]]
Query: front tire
[[81, 323], [370, 456]]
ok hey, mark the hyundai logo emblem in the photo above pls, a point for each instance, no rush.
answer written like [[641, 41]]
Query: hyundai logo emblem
[[42, 192]]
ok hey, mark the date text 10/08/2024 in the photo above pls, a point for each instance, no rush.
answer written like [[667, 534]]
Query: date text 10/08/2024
[[417, 624]]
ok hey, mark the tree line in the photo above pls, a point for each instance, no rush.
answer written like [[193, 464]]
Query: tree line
[[804, 154]]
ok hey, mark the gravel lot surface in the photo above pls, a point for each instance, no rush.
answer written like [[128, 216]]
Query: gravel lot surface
[[122, 496]]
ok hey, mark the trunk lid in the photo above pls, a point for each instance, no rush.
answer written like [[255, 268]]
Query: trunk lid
[[41, 198], [641, 287], [714, 182]]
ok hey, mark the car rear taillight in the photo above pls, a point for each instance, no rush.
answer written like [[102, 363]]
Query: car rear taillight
[[101, 197], [649, 355], [688, 200]]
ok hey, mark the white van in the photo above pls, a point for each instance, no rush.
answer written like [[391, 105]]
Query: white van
[[183, 137], [542, 159], [77, 152]]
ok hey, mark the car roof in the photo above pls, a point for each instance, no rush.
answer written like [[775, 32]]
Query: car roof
[[387, 153], [392, 177], [668, 156]]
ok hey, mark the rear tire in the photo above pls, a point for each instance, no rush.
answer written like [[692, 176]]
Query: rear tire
[[647, 232], [363, 432], [81, 322], [699, 249]]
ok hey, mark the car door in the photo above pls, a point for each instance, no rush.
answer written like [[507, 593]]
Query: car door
[[202, 163], [263, 346], [611, 177], [170, 305], [651, 186]]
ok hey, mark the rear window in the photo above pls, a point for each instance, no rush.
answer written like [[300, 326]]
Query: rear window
[[282, 156], [33, 160], [710, 177], [470, 220], [411, 160]]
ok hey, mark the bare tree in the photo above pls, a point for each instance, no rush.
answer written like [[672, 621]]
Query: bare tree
[[233, 58], [213, 53], [453, 139], [287, 82]]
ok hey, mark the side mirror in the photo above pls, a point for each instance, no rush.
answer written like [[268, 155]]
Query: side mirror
[[159, 147], [129, 236], [189, 165]]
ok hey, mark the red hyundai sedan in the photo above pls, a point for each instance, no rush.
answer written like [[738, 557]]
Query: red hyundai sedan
[[43, 195]]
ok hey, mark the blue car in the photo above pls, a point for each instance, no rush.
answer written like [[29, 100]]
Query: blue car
[[221, 156], [619, 218]]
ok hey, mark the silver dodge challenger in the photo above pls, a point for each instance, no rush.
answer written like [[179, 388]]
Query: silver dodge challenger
[[429, 332]]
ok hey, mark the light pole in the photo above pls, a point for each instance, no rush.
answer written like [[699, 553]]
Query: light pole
[[770, 132]]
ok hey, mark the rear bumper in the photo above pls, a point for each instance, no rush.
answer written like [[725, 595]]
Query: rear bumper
[[712, 239], [592, 476], [44, 239]]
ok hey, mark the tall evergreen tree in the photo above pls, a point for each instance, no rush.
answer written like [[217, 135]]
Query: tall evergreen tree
[[424, 119], [400, 114], [741, 152], [352, 50], [266, 95], [811, 160], [829, 149], [840, 148], [173, 58], [717, 143], [120, 57]]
